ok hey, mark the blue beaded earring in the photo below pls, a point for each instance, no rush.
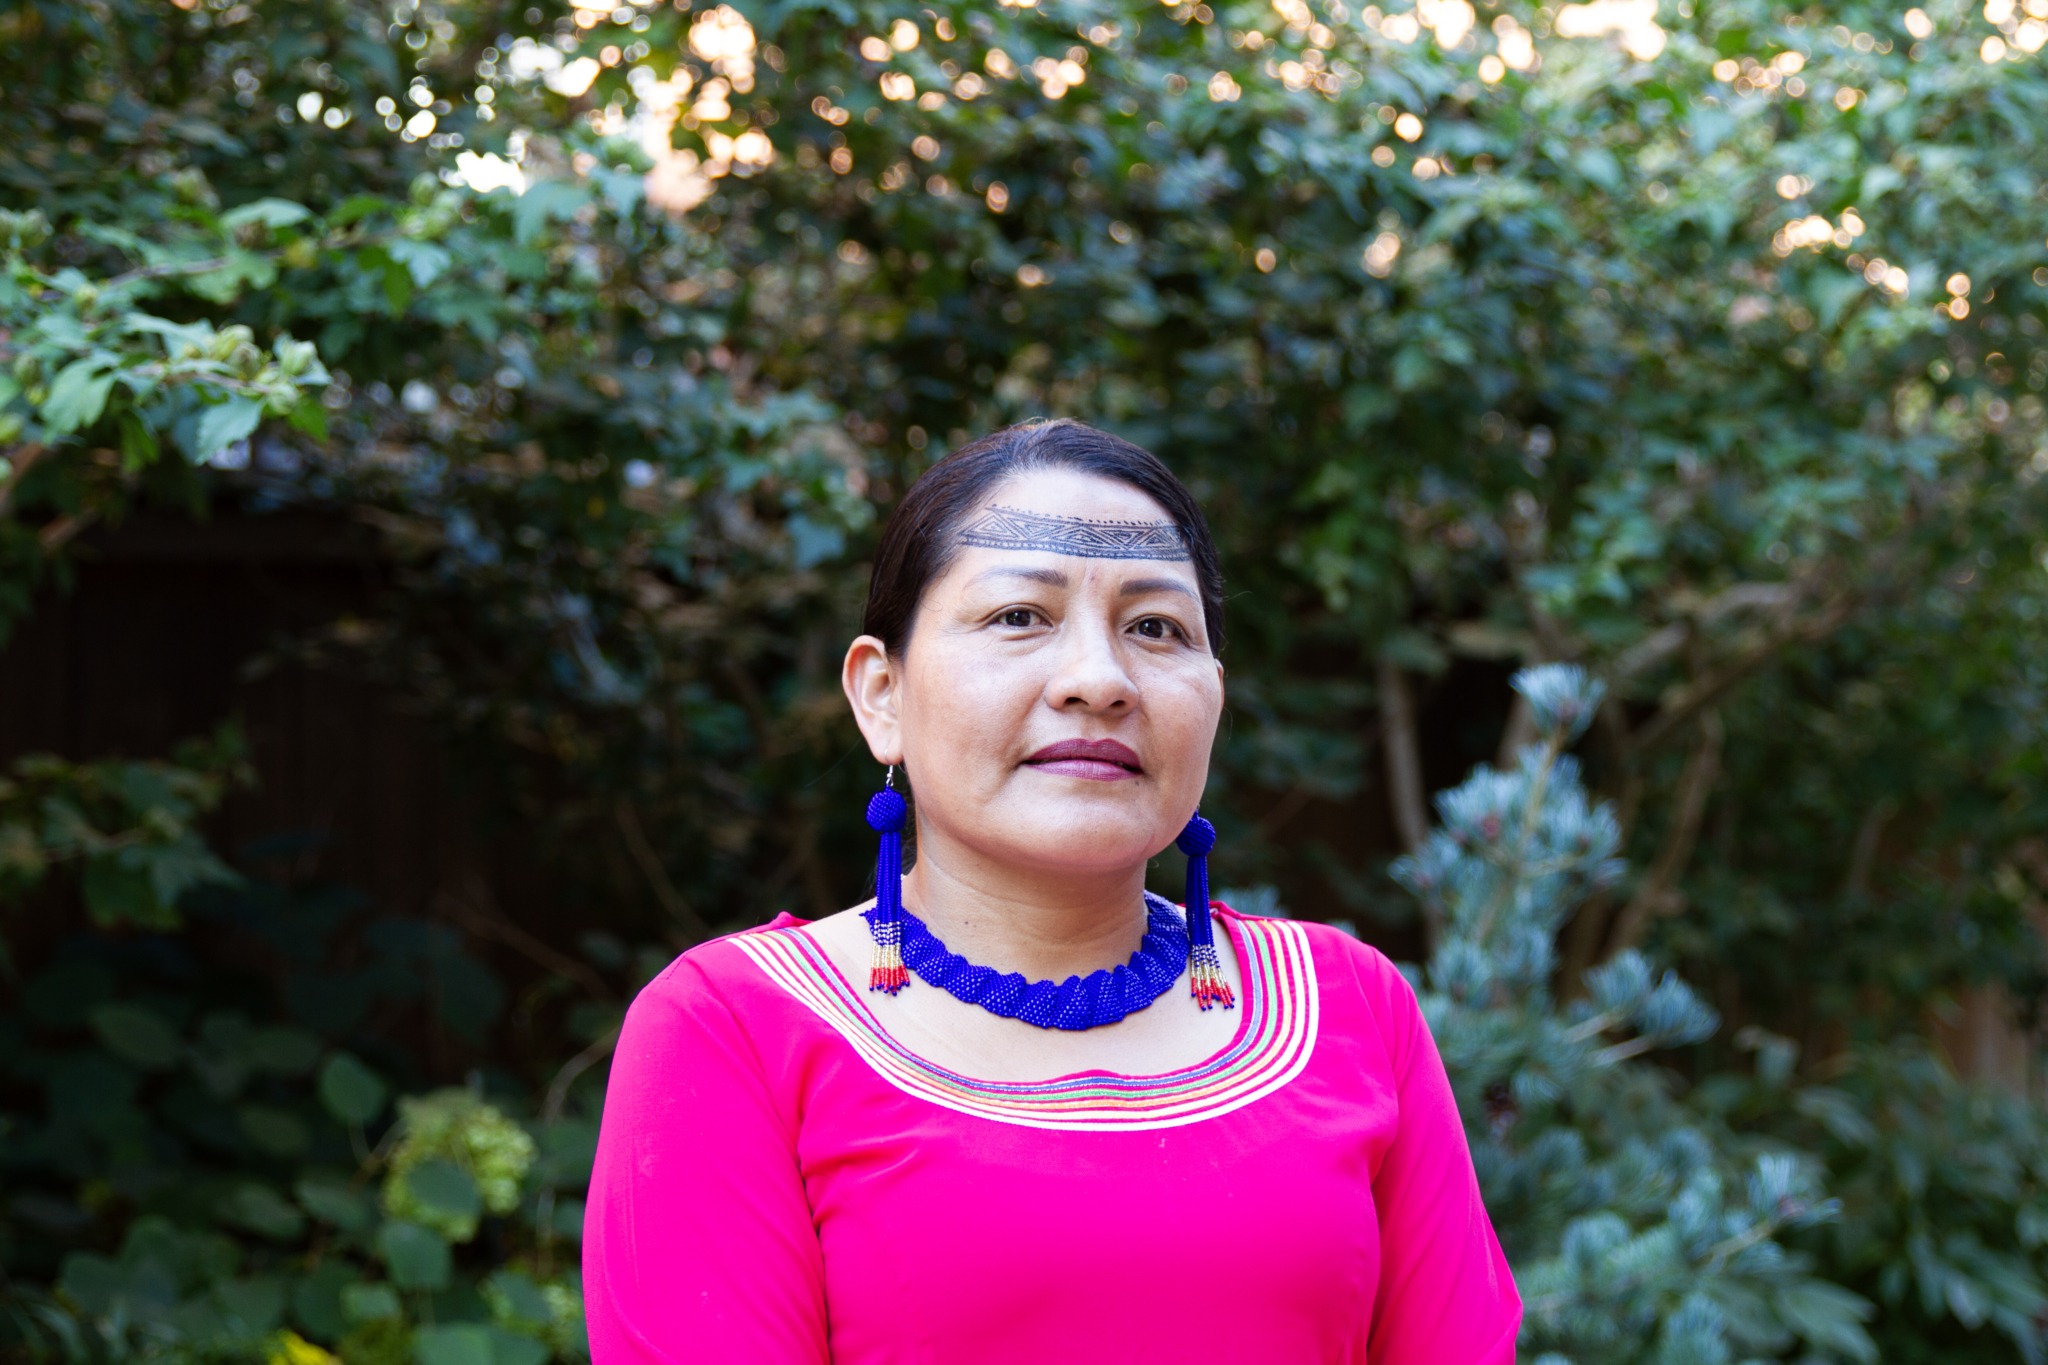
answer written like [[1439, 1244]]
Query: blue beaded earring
[[1205, 968], [887, 810]]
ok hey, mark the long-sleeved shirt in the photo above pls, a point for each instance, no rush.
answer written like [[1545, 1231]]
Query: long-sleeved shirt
[[779, 1182]]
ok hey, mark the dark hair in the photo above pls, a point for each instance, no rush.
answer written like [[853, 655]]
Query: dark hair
[[917, 544]]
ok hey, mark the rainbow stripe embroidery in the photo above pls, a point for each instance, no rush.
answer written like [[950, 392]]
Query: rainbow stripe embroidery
[[1271, 1047]]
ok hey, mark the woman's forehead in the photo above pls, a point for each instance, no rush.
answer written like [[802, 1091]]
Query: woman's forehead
[[1066, 512]]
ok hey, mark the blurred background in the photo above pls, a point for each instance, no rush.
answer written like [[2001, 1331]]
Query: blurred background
[[441, 447]]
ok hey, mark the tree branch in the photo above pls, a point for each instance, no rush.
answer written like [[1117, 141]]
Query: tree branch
[[1705, 691], [59, 533], [1283, 810], [1404, 759], [1863, 853], [657, 876], [1656, 894], [1660, 645], [476, 911], [558, 1088], [1405, 794], [803, 844]]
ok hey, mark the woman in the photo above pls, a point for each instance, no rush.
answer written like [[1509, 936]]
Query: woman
[[1015, 1109]]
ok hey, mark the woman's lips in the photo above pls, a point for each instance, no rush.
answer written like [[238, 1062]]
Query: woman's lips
[[1098, 760]]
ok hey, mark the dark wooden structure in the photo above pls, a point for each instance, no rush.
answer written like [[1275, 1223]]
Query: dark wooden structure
[[153, 643]]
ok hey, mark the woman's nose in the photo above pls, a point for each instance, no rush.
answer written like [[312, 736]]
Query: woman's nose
[[1090, 672]]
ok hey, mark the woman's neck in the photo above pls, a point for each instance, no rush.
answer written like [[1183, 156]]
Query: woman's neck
[[1046, 925]]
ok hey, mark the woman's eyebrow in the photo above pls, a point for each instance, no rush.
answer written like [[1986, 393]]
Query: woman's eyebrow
[[1052, 578], [1138, 587]]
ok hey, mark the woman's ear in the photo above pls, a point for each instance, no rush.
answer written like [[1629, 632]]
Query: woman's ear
[[874, 687]]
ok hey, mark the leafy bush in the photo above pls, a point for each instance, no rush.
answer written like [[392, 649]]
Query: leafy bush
[[202, 1165], [1705, 353], [1638, 1231]]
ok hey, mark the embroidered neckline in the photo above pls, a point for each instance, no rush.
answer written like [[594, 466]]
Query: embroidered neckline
[[1275, 1035]]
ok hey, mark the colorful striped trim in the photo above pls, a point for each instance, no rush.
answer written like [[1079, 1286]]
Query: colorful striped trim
[[1272, 1045]]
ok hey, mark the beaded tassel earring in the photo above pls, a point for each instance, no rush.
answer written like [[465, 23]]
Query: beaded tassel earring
[[887, 811], [1205, 968]]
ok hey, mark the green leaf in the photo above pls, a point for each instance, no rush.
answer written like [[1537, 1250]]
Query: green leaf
[[78, 394], [514, 1294], [244, 270], [255, 1304], [397, 286], [356, 208], [310, 418], [275, 1131], [283, 1051], [1880, 180], [332, 1199], [262, 1210], [118, 891], [316, 1299], [1413, 368], [1833, 291], [351, 1091], [177, 866], [1830, 1317], [1598, 165], [1710, 126], [623, 189], [424, 261], [370, 1303], [94, 1283], [467, 1343], [271, 213], [461, 1343], [547, 201], [444, 1187], [417, 1257], [515, 1348], [138, 443], [225, 423], [137, 1034]]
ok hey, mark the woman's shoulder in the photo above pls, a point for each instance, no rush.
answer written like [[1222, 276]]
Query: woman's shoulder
[[728, 976]]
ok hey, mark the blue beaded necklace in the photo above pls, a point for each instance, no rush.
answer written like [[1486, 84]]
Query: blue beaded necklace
[[903, 944], [1101, 997]]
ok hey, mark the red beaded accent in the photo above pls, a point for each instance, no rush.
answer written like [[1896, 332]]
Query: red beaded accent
[[1205, 979], [1209, 989], [888, 975]]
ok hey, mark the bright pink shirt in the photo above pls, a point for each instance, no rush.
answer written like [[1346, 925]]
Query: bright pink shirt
[[779, 1182]]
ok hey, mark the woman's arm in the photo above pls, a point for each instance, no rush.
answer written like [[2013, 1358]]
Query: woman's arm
[[1445, 1296], [698, 1241]]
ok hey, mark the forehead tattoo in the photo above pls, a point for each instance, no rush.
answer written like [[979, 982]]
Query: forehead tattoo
[[1006, 528]]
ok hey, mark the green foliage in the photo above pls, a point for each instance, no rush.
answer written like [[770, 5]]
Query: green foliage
[[1941, 1187], [128, 827], [197, 1171], [1746, 1216], [1616, 360], [1637, 1231], [456, 1158]]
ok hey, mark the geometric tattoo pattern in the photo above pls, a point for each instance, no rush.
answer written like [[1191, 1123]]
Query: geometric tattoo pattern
[[1006, 528]]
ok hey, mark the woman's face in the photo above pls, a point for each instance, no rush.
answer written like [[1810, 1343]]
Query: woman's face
[[1055, 706]]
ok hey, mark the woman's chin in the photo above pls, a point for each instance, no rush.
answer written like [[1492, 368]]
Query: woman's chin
[[1083, 839]]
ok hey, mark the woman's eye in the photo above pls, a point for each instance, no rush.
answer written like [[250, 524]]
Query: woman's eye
[[1018, 618], [1155, 628]]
